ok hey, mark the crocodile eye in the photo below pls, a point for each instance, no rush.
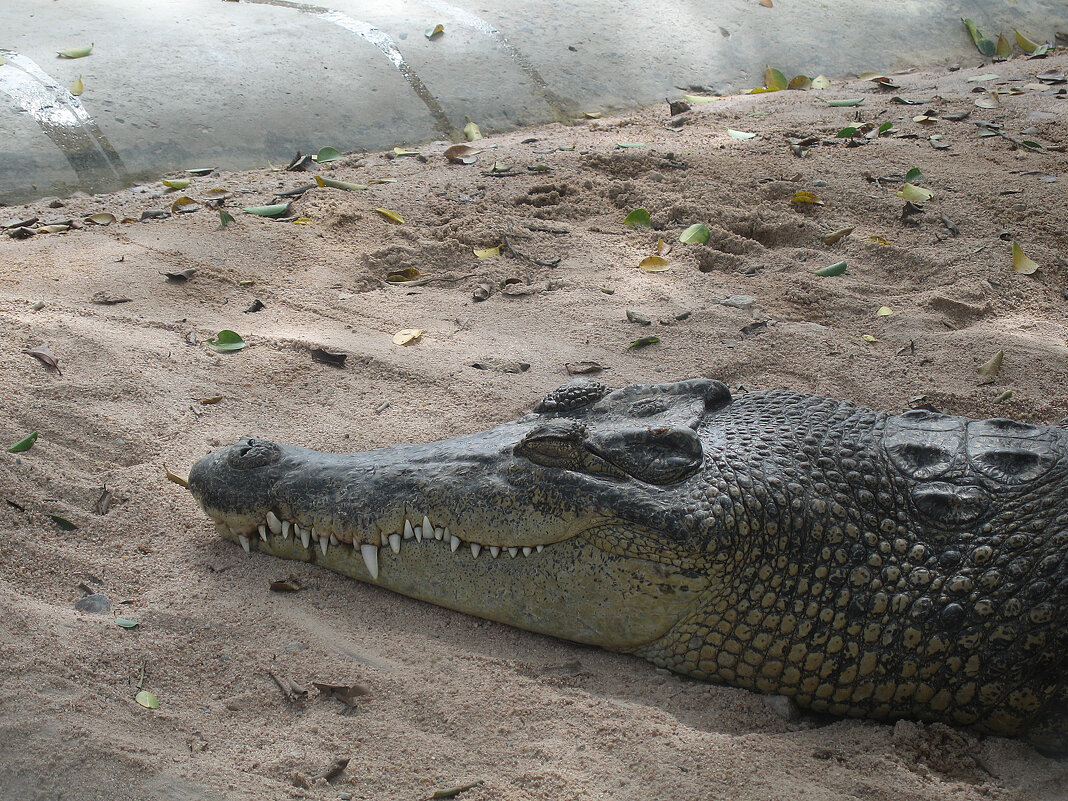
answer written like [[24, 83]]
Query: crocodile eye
[[251, 453], [572, 395], [923, 445], [1010, 452]]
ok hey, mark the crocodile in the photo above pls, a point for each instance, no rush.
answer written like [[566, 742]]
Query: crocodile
[[862, 563]]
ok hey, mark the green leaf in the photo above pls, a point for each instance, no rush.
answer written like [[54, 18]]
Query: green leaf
[[913, 176], [227, 340], [643, 342], [225, 218], [75, 52], [472, 132], [63, 523], [886, 126], [126, 622], [855, 101], [201, 171], [147, 700], [276, 210], [639, 218], [741, 134], [837, 268], [177, 183], [697, 233], [326, 154], [1026, 44], [914, 194], [1004, 47], [984, 45], [338, 184], [629, 144], [24, 444], [435, 32], [774, 79], [847, 133]]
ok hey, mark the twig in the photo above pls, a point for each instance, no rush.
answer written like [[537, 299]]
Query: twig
[[525, 257]]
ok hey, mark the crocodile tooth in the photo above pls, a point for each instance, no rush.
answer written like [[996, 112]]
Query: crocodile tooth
[[408, 533], [527, 551], [394, 542], [475, 549], [263, 533], [541, 548], [305, 536], [418, 533], [428, 527], [286, 526], [244, 542], [441, 533], [454, 543], [274, 523], [514, 552], [334, 540], [370, 558], [494, 551], [324, 541], [383, 539]]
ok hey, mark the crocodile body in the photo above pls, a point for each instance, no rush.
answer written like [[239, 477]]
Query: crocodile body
[[864, 564]]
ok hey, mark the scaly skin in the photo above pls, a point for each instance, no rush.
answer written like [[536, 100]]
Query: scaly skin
[[863, 564]]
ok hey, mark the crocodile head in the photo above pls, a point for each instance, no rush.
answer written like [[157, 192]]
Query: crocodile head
[[571, 521]]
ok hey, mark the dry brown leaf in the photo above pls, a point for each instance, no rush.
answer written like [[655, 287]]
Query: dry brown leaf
[[43, 354]]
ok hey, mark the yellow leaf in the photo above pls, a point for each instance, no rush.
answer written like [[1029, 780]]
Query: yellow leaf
[[1025, 44], [77, 87], [407, 336], [392, 216], [102, 218], [1020, 263], [181, 482], [302, 221], [914, 194], [654, 264], [471, 132], [400, 151], [800, 82], [821, 82], [488, 253], [869, 338], [774, 79], [989, 370], [878, 240], [401, 276], [806, 197], [833, 237], [884, 311]]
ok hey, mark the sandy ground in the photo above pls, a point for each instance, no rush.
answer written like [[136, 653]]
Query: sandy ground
[[449, 699]]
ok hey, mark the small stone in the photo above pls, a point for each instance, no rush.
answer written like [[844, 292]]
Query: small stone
[[820, 183], [95, 603], [344, 796], [155, 214], [640, 319], [38, 305], [738, 301], [784, 707], [55, 203], [295, 647]]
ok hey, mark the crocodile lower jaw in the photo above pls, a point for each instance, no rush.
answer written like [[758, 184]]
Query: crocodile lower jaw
[[414, 532]]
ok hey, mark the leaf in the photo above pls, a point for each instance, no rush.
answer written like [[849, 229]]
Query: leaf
[[400, 151], [582, 368], [841, 233], [227, 341], [147, 700], [348, 187], [697, 233], [1020, 263], [639, 218], [201, 170], [44, 355], [806, 197], [654, 264], [435, 32], [988, 100], [177, 183], [327, 154], [821, 82], [451, 792], [837, 268], [984, 45], [225, 218], [885, 127], [849, 133], [741, 134], [698, 99], [913, 176], [989, 76], [78, 52], [878, 240], [291, 584], [102, 218], [1003, 48], [403, 276], [462, 154], [774, 79], [217, 193], [471, 132], [869, 339], [914, 194], [23, 444], [884, 311], [856, 101], [488, 253], [407, 336], [382, 181], [127, 623], [800, 83], [989, 370], [643, 342], [1026, 44], [630, 144], [274, 210], [392, 216], [184, 205], [63, 523], [767, 3], [77, 87], [181, 482]]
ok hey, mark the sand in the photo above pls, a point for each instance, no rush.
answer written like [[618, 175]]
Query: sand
[[445, 699]]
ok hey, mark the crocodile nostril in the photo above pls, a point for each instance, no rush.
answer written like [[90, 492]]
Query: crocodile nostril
[[252, 453]]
